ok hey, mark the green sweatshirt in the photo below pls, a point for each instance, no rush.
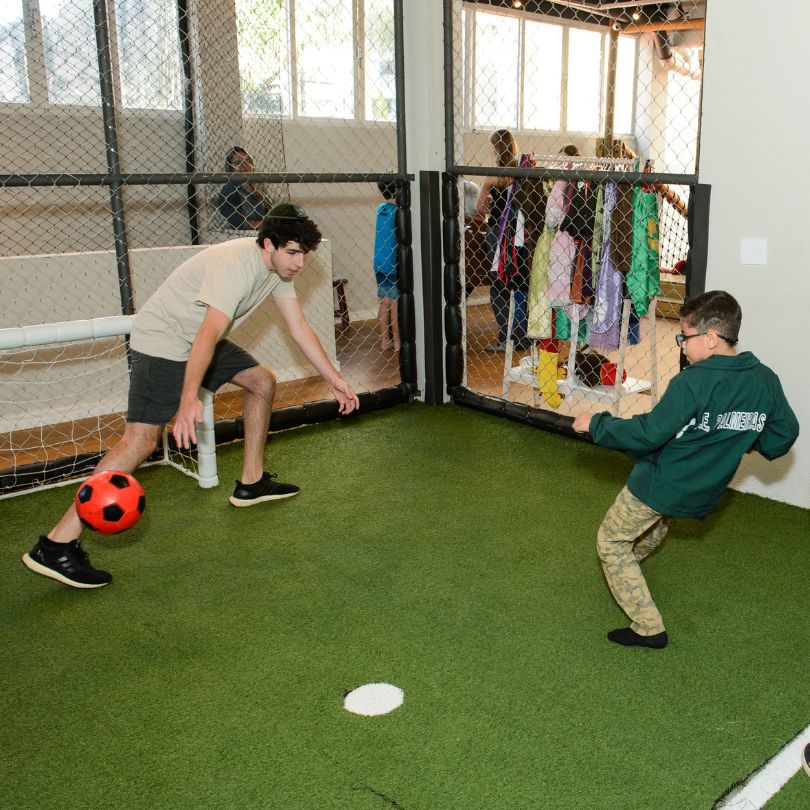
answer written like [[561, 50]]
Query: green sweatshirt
[[690, 444]]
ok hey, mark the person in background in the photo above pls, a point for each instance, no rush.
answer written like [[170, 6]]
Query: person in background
[[179, 344], [491, 202], [243, 205], [688, 447], [385, 267]]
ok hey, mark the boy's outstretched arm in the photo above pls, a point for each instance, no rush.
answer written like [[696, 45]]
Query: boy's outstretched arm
[[781, 430], [582, 423]]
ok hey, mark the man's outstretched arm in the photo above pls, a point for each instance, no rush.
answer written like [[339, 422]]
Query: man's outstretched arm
[[308, 342]]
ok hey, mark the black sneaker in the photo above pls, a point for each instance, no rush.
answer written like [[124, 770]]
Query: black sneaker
[[265, 489], [806, 759], [68, 563], [630, 638]]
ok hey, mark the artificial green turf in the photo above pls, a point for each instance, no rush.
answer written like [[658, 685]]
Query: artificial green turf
[[442, 550], [795, 794]]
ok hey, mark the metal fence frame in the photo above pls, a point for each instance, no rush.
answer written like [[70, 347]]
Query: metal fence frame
[[116, 181], [698, 227]]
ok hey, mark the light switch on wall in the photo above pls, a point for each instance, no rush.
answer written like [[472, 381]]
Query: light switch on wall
[[753, 251]]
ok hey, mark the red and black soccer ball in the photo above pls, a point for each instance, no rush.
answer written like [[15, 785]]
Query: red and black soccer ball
[[110, 502]]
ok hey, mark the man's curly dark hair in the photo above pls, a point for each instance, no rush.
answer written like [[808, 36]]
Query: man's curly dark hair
[[289, 223]]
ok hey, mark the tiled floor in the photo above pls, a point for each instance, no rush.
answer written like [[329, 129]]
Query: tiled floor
[[487, 371]]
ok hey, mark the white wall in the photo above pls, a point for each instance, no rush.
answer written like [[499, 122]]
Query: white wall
[[754, 131], [424, 116], [41, 221]]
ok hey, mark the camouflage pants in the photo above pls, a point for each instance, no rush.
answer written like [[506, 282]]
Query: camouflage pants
[[630, 532]]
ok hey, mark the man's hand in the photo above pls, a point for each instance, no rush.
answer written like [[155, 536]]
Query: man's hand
[[345, 396], [185, 423], [582, 423]]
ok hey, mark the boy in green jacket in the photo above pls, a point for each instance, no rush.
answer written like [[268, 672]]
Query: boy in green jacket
[[688, 447]]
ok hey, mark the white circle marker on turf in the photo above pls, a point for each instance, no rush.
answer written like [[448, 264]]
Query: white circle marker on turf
[[373, 699]]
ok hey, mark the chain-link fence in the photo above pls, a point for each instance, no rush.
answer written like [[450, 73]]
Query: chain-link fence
[[138, 132], [574, 149]]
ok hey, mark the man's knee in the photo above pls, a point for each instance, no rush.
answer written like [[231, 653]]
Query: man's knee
[[258, 380], [142, 439]]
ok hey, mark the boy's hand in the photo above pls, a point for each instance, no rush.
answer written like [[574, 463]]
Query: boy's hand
[[582, 423]]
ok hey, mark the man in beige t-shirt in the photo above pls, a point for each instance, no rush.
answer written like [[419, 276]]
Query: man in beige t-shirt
[[178, 344]]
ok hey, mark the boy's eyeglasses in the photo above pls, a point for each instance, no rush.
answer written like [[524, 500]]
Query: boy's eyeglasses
[[682, 338]]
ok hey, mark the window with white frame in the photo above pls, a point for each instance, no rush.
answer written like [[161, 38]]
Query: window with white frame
[[317, 58], [147, 34], [682, 114], [48, 53], [13, 68], [497, 79], [542, 76], [527, 72], [263, 33], [324, 56], [584, 85], [378, 68]]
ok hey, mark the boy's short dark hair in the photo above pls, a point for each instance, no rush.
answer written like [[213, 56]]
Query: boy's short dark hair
[[716, 310], [388, 188], [289, 222]]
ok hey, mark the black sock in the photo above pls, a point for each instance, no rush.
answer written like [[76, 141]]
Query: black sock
[[630, 638]]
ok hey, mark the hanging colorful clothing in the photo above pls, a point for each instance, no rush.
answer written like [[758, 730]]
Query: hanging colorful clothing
[[539, 315], [579, 223], [598, 234], [644, 277], [607, 310]]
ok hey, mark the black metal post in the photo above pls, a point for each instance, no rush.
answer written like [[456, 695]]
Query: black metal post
[[698, 231], [183, 178], [113, 163], [399, 86], [449, 99], [184, 29]]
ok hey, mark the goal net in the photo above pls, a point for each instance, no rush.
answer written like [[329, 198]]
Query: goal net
[[63, 396]]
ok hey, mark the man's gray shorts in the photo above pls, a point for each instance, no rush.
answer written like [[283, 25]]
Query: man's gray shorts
[[155, 384]]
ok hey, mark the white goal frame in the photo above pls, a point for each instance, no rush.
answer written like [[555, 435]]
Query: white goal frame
[[49, 334]]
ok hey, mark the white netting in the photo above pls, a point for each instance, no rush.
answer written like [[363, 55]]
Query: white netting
[[63, 398]]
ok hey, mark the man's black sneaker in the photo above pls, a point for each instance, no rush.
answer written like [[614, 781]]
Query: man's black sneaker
[[806, 759], [265, 489], [68, 563]]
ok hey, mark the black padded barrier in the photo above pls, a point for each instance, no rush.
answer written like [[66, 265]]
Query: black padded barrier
[[454, 350], [406, 311]]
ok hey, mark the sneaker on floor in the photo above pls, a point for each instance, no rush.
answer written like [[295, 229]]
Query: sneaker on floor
[[630, 638], [265, 489], [495, 347], [67, 563]]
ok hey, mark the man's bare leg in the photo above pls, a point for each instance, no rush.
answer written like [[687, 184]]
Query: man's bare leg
[[259, 384], [59, 555], [256, 486], [134, 447]]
